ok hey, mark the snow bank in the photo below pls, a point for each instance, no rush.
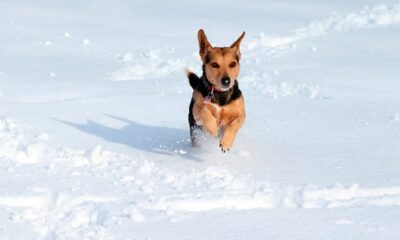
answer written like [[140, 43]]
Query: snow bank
[[13, 145], [148, 65], [17, 147], [377, 16]]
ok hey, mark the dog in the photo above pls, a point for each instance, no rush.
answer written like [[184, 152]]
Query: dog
[[217, 104]]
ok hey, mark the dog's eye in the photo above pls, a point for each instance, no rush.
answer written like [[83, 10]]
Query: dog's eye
[[215, 65], [232, 65]]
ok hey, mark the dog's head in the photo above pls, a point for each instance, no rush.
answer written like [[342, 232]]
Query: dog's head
[[221, 63]]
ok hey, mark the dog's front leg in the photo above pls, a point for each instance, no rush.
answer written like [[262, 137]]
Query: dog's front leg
[[230, 132], [208, 121]]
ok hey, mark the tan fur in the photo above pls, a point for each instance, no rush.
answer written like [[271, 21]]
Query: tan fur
[[214, 118], [231, 120]]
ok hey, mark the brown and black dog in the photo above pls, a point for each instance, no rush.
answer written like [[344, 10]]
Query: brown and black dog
[[217, 105]]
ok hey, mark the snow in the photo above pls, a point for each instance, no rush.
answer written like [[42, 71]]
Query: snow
[[94, 139], [149, 65]]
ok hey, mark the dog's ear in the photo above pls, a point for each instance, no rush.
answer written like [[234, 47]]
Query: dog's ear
[[236, 44], [204, 45]]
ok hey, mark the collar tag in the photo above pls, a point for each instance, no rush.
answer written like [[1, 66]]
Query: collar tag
[[207, 99]]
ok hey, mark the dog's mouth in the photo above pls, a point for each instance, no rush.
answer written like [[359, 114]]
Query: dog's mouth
[[223, 89]]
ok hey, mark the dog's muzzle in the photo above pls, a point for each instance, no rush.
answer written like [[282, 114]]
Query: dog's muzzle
[[225, 81]]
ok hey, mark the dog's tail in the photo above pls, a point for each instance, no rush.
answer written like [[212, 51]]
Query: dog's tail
[[194, 80]]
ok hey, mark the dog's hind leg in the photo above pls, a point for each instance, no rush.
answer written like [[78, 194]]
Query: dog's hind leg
[[194, 135], [194, 128]]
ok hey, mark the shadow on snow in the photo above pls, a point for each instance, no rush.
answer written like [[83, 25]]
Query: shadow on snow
[[153, 139]]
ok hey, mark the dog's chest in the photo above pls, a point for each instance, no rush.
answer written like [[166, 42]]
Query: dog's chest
[[217, 109], [220, 113], [205, 110]]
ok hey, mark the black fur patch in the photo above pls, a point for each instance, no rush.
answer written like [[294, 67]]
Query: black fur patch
[[192, 123], [207, 58], [194, 80], [226, 97]]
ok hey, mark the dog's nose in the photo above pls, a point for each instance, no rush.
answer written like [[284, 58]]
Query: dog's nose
[[225, 81]]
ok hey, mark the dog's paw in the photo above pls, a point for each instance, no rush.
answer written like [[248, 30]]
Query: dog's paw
[[226, 143], [223, 149]]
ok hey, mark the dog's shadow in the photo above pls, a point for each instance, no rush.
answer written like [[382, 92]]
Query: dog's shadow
[[153, 139]]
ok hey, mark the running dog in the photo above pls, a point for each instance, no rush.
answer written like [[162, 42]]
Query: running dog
[[217, 105]]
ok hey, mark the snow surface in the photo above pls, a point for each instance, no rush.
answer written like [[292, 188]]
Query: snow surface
[[94, 140]]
